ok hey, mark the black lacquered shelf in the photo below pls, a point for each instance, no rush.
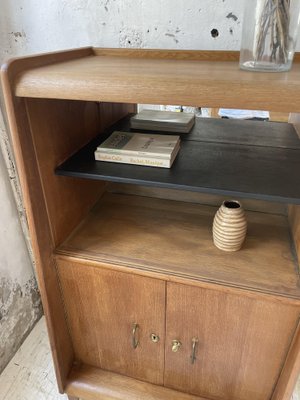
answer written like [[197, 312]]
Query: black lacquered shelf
[[253, 159]]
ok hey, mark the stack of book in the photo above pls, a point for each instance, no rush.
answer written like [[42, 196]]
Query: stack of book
[[169, 121], [141, 149]]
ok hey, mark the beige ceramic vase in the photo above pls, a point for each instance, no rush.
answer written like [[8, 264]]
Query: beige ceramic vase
[[230, 226]]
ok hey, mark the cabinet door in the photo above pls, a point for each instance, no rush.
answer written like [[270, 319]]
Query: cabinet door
[[242, 342], [101, 307]]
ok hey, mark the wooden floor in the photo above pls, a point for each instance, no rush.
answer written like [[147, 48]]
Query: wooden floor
[[30, 374]]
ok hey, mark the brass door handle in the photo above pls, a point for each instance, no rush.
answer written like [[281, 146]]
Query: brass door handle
[[194, 345], [135, 340], [176, 344]]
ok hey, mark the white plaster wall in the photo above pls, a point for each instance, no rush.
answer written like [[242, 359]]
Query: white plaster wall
[[20, 305], [32, 26], [35, 26]]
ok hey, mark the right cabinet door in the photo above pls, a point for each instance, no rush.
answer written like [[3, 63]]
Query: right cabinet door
[[229, 346]]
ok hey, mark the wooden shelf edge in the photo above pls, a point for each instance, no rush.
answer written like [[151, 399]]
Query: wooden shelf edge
[[90, 383], [168, 276], [207, 72], [200, 55], [196, 55], [203, 264]]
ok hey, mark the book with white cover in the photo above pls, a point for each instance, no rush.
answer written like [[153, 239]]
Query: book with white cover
[[141, 144], [137, 160], [139, 148], [163, 121]]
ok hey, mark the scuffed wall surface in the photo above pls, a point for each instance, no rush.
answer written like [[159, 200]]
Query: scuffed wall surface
[[20, 305], [5, 146], [20, 308], [31, 26]]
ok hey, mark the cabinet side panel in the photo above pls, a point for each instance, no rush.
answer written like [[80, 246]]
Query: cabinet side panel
[[290, 373], [59, 128], [102, 306], [41, 237], [36, 211], [242, 343]]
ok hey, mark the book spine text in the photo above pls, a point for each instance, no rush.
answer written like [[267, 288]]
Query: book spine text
[[128, 159]]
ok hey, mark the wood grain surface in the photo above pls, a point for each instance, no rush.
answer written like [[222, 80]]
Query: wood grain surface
[[101, 308], [165, 54], [39, 226], [161, 81], [175, 238], [194, 197], [90, 383], [202, 55], [58, 129], [290, 373], [242, 343]]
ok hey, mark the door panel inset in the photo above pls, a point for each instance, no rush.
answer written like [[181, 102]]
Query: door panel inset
[[232, 346], [111, 316]]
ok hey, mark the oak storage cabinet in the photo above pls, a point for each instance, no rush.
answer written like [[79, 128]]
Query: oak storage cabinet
[[138, 301]]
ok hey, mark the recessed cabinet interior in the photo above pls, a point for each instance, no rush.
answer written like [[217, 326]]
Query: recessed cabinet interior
[[139, 303]]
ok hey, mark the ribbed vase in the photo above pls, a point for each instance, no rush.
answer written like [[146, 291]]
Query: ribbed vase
[[230, 226]]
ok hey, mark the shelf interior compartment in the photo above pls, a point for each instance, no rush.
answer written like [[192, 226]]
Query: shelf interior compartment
[[252, 159], [174, 238]]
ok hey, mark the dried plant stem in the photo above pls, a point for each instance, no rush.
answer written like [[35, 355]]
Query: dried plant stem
[[273, 30]]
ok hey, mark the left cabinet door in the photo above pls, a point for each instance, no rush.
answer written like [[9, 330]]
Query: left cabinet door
[[111, 317]]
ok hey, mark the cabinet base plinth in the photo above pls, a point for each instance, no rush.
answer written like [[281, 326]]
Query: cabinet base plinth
[[91, 383]]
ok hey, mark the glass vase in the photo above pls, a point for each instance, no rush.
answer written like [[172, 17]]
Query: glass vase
[[270, 30]]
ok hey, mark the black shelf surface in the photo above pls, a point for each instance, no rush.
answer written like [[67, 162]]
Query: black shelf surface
[[253, 159]]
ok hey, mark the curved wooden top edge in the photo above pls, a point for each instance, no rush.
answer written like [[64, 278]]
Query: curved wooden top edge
[[11, 68], [38, 60], [26, 77]]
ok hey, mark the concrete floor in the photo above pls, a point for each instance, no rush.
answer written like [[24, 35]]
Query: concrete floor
[[30, 374]]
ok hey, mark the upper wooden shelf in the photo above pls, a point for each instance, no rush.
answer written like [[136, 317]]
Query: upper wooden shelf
[[195, 78]]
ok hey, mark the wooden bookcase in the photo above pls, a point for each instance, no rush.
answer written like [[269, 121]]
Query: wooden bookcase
[[126, 265]]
